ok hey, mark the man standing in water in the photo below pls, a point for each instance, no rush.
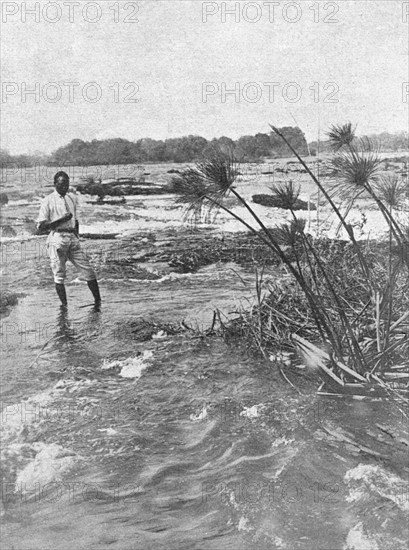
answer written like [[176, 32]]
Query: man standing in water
[[58, 213]]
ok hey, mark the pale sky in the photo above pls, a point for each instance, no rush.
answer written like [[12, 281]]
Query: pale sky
[[176, 50]]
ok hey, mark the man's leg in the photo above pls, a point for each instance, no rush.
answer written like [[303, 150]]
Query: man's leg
[[60, 288], [81, 262], [58, 260], [94, 288]]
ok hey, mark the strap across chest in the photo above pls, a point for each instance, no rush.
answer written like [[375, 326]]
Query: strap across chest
[[66, 205]]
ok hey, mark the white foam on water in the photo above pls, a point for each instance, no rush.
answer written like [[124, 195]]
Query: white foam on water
[[37, 408], [252, 412], [128, 227], [50, 462], [202, 415], [366, 481], [374, 227], [132, 367], [204, 273], [50, 459], [19, 415], [23, 202], [23, 236], [244, 525], [282, 441], [160, 218], [357, 539], [176, 276], [160, 335], [170, 277]]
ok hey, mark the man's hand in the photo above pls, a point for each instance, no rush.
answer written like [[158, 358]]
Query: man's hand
[[42, 228], [42, 225], [46, 226]]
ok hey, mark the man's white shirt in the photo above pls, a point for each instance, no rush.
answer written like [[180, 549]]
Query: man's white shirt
[[53, 207]]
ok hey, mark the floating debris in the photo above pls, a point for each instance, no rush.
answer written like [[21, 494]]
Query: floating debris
[[201, 416]]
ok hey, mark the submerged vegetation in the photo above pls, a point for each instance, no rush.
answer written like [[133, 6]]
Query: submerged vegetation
[[344, 304]]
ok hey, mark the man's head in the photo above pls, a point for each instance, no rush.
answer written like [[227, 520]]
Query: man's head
[[61, 182]]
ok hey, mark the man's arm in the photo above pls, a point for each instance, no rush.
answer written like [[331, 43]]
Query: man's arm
[[44, 223], [44, 214], [43, 217], [55, 223]]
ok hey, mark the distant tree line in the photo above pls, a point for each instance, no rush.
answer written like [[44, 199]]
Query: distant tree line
[[22, 160], [184, 149]]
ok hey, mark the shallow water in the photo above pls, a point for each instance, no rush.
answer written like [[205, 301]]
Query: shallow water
[[180, 441]]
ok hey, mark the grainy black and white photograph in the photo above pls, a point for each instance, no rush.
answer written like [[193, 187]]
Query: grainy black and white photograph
[[204, 277]]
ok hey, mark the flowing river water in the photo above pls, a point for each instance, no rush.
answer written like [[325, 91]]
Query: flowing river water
[[175, 441]]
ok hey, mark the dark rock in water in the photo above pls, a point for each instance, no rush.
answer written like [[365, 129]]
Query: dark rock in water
[[140, 190], [102, 202], [119, 189], [99, 236], [3, 198], [93, 189], [269, 200], [8, 231], [8, 299]]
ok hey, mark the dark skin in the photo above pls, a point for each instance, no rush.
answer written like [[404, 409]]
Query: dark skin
[[62, 185]]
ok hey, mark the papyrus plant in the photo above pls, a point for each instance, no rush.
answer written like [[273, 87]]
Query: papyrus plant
[[339, 322]]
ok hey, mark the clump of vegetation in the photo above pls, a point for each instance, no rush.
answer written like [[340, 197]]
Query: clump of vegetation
[[284, 196], [244, 250], [144, 330], [191, 260], [285, 311], [351, 297]]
